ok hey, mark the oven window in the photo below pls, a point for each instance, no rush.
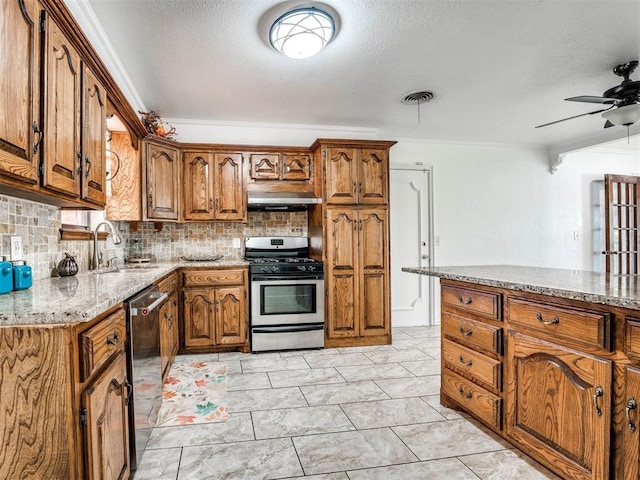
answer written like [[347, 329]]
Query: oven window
[[287, 299]]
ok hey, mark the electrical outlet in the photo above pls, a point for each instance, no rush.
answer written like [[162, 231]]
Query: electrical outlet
[[236, 243], [16, 248]]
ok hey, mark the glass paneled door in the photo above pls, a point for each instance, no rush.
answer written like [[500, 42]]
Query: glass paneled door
[[621, 220]]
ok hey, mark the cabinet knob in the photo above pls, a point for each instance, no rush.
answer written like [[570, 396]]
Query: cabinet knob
[[632, 404], [597, 394], [113, 339], [465, 363], [468, 395], [464, 332], [465, 301], [555, 320], [38, 131]]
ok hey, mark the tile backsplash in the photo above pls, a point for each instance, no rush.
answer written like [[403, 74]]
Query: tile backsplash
[[39, 226]]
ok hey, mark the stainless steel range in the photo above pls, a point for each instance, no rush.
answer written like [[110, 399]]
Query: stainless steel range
[[287, 294]]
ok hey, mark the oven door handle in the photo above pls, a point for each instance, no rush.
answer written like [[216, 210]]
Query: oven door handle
[[260, 278], [302, 328]]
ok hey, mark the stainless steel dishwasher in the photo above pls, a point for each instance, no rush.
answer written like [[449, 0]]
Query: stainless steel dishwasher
[[144, 367]]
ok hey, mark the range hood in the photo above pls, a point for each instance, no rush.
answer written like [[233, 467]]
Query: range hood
[[280, 201]]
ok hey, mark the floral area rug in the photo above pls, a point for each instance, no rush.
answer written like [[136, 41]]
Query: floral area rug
[[194, 392]]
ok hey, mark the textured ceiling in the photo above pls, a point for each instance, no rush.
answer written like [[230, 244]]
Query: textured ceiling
[[498, 68]]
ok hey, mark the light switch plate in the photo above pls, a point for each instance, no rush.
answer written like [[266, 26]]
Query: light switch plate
[[16, 248]]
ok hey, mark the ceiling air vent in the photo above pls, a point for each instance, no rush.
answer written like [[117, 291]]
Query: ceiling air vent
[[417, 98]]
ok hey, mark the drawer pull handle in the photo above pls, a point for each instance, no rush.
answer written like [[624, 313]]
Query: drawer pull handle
[[598, 393], [467, 395], [464, 332], [632, 404], [113, 339], [463, 301], [555, 320], [466, 364]]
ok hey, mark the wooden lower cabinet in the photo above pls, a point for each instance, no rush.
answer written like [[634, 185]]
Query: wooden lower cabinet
[[105, 407], [169, 335], [631, 424], [215, 308], [64, 398], [559, 406]]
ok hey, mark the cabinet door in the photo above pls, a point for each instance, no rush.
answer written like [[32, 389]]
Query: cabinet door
[[373, 248], [61, 144], [341, 276], [174, 334], [94, 139], [20, 99], [264, 166], [341, 175], [107, 432], [631, 424], [230, 192], [162, 182], [373, 177], [296, 167], [198, 185], [199, 321], [231, 316], [559, 406], [165, 317]]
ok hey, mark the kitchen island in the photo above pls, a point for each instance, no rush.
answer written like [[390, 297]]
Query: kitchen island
[[547, 358]]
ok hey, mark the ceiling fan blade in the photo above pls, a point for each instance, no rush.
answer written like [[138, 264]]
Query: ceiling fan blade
[[608, 124], [575, 116], [591, 99]]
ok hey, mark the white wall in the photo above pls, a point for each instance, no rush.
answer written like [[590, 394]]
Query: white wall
[[501, 205]]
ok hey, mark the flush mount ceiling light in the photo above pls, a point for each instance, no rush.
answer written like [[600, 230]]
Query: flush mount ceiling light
[[301, 33], [416, 98]]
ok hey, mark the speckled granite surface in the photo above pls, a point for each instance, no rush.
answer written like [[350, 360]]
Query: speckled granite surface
[[574, 284], [85, 296]]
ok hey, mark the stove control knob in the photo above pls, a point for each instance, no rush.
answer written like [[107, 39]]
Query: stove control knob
[[274, 269], [311, 268], [302, 268], [264, 269]]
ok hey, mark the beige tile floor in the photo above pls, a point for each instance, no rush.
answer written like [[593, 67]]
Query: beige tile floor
[[361, 413]]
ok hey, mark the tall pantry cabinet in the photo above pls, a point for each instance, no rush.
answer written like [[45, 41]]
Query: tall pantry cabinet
[[350, 232]]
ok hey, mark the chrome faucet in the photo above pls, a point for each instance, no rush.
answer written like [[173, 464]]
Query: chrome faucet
[[95, 264]]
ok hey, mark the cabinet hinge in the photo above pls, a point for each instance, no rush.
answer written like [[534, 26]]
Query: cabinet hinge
[[43, 24], [324, 154], [41, 169], [183, 296], [83, 417]]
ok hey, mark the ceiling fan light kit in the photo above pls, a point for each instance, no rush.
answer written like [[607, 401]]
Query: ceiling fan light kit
[[302, 32], [624, 100]]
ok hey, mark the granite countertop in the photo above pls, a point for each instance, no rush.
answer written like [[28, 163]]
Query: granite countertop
[[619, 291], [61, 300]]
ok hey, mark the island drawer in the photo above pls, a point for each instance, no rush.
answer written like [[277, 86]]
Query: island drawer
[[632, 337], [482, 303], [471, 397], [561, 324], [485, 369], [213, 277], [484, 336], [100, 342]]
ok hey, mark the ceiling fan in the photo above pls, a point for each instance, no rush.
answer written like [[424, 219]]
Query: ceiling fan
[[624, 100]]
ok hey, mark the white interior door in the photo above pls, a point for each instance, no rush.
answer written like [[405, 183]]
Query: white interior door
[[411, 246]]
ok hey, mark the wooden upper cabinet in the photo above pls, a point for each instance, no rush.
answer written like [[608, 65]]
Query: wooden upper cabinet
[[94, 139], [230, 201], [341, 175], [162, 175], [61, 143], [20, 100], [296, 167], [373, 177], [264, 166], [198, 188]]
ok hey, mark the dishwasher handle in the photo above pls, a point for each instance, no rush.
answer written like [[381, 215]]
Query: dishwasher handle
[[147, 309]]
